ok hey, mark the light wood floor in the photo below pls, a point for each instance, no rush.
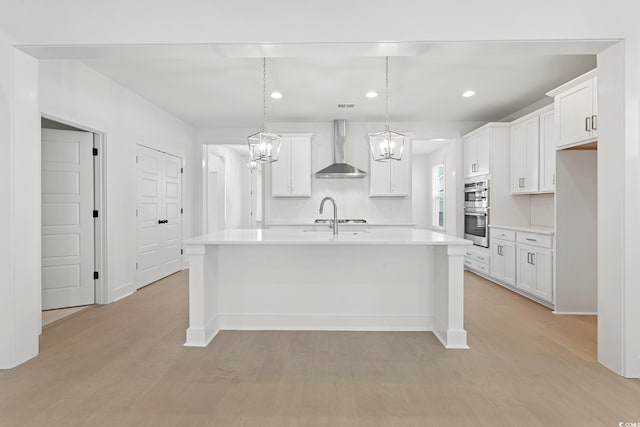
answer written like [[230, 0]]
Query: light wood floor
[[124, 365]]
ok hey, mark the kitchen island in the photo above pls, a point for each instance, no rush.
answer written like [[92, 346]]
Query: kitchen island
[[368, 280]]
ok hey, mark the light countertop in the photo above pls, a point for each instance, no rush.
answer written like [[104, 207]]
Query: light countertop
[[325, 237], [549, 231], [350, 224]]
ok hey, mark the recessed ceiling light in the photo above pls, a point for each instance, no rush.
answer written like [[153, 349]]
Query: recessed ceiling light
[[276, 95], [438, 139], [372, 94], [468, 93]]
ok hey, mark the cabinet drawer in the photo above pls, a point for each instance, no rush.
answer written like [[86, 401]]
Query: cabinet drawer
[[484, 259], [500, 233], [541, 240], [476, 265]]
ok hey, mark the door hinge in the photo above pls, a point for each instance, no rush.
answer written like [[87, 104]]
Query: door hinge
[[96, 275], [181, 210], [181, 251], [181, 170], [136, 212], [136, 159], [95, 151], [95, 214], [136, 265]]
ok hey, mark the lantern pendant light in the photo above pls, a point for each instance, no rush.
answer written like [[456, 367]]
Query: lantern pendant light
[[386, 145], [264, 147]]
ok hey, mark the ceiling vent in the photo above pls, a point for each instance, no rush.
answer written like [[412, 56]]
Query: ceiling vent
[[346, 105]]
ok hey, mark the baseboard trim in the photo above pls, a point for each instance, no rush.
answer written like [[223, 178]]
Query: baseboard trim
[[325, 322], [575, 313], [122, 292], [202, 337]]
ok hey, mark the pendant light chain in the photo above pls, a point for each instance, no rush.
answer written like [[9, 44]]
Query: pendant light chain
[[386, 96], [264, 93]]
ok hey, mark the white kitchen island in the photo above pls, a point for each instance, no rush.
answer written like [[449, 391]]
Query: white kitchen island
[[369, 280]]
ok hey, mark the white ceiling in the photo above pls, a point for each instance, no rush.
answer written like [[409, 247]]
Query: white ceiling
[[207, 88]]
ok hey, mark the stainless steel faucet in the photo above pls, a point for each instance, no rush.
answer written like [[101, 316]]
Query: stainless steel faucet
[[335, 212]]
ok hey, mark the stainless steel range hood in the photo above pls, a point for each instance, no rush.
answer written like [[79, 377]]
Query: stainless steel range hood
[[340, 169]]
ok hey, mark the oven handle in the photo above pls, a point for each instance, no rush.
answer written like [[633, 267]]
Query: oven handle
[[475, 214]]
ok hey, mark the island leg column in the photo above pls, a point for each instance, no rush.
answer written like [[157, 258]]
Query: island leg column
[[449, 296], [203, 294]]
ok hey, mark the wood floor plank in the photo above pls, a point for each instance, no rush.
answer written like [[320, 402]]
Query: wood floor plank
[[124, 365]]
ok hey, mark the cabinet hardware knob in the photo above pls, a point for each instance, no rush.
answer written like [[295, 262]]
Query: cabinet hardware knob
[[530, 239], [594, 122], [587, 124]]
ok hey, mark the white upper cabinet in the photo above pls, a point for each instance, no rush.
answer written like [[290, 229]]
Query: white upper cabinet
[[391, 178], [525, 156], [476, 154], [533, 153], [576, 106], [291, 174], [547, 153]]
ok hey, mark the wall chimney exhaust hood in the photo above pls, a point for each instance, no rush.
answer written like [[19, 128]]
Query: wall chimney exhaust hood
[[340, 169]]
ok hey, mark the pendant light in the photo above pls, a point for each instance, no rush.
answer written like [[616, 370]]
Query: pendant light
[[386, 145], [264, 147]]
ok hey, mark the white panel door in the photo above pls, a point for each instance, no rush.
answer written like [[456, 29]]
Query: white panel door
[[172, 205], [67, 219], [159, 232], [150, 233]]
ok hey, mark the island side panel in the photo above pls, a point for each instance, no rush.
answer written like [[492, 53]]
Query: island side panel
[[449, 297], [203, 294], [327, 287]]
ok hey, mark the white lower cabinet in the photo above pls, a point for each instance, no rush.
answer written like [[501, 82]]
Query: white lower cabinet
[[478, 259], [535, 271], [503, 261], [521, 261]]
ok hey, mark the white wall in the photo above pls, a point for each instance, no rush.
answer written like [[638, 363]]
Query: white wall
[[542, 210], [577, 232], [75, 93], [20, 216], [352, 195], [422, 177], [72, 22]]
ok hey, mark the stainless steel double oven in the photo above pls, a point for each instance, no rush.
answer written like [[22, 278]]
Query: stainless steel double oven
[[476, 212]]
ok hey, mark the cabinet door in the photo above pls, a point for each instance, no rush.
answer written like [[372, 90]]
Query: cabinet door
[[400, 176], [497, 260], [543, 263], [300, 167], [470, 156], [379, 178], [532, 153], [518, 156], [503, 261], [281, 171], [594, 108], [482, 150], [525, 269], [547, 153], [525, 156], [574, 109]]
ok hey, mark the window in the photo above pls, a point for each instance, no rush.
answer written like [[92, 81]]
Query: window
[[437, 181]]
